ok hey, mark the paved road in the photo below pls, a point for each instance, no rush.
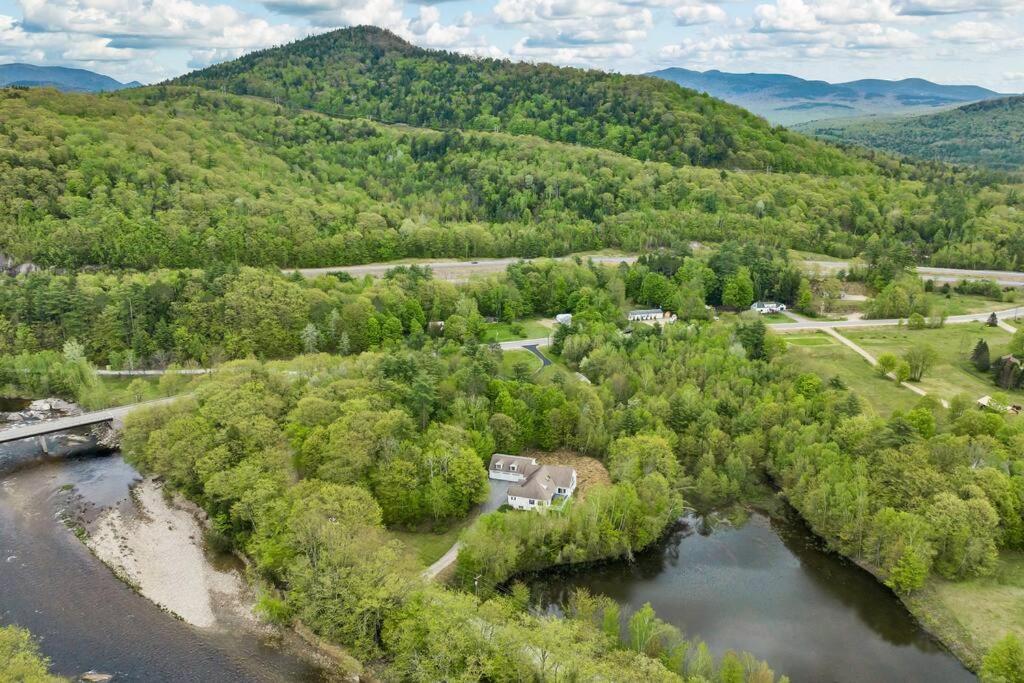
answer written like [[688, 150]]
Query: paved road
[[460, 270], [153, 373], [448, 269], [60, 424], [497, 497], [1004, 278], [1003, 314], [809, 324]]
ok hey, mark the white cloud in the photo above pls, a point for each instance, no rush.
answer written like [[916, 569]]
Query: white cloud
[[694, 15], [973, 32], [786, 16], [579, 55], [156, 23], [933, 7]]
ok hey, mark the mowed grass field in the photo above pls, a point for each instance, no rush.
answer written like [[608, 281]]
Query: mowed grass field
[[961, 304], [953, 373], [824, 356], [974, 614], [523, 329]]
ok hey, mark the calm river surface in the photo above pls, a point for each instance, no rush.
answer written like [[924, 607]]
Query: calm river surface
[[770, 588], [86, 618]]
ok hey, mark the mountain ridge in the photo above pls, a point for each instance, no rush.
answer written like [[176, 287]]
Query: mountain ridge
[[371, 73], [62, 78], [780, 97]]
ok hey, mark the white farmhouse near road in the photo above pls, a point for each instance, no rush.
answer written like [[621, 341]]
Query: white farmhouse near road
[[651, 314], [537, 487]]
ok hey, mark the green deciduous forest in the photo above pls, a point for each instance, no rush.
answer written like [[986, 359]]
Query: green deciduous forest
[[255, 447], [343, 411], [706, 412], [372, 73], [989, 133], [173, 177]]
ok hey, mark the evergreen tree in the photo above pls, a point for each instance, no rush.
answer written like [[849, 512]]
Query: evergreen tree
[[980, 356]]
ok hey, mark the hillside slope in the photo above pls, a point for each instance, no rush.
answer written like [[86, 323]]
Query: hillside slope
[[175, 177], [989, 133], [789, 100], [59, 77], [368, 72]]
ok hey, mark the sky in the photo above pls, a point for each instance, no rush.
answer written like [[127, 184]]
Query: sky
[[948, 41]]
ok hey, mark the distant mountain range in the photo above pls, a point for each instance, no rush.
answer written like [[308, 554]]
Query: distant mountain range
[[59, 77], [787, 100], [989, 133]]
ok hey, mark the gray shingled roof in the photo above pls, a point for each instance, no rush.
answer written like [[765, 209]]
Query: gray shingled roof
[[524, 466], [543, 483]]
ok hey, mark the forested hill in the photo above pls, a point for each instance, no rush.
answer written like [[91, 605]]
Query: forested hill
[[177, 177], [369, 72], [989, 133]]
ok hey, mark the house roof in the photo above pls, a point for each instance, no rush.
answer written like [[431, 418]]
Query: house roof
[[524, 466], [647, 311], [543, 484]]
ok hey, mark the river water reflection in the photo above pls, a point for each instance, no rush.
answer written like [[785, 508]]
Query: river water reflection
[[83, 615], [769, 587]]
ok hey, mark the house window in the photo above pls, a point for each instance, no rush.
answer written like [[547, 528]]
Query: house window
[[497, 465], [533, 502], [512, 468], [561, 490]]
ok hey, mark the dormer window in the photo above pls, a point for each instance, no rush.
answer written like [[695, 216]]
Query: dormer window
[[497, 465], [512, 468]]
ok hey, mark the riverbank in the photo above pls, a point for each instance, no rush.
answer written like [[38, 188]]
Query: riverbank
[[156, 546], [768, 585], [85, 618]]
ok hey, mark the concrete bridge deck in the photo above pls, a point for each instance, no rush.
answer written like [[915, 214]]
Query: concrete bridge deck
[[60, 424]]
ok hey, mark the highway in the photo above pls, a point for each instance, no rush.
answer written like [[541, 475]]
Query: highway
[[456, 270], [1003, 278], [448, 269]]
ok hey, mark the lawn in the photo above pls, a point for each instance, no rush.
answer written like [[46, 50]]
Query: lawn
[[961, 304], [971, 615], [118, 391], [953, 373], [521, 329], [809, 340], [426, 547], [828, 358], [509, 360]]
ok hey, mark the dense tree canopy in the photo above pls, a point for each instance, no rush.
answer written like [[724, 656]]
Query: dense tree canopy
[[176, 177]]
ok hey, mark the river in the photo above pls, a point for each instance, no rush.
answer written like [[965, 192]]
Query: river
[[770, 588], [86, 618]]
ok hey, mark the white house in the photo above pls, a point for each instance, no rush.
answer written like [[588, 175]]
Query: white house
[[564, 318], [764, 307], [536, 487], [651, 315]]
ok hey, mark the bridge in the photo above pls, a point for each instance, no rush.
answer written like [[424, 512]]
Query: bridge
[[60, 424]]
